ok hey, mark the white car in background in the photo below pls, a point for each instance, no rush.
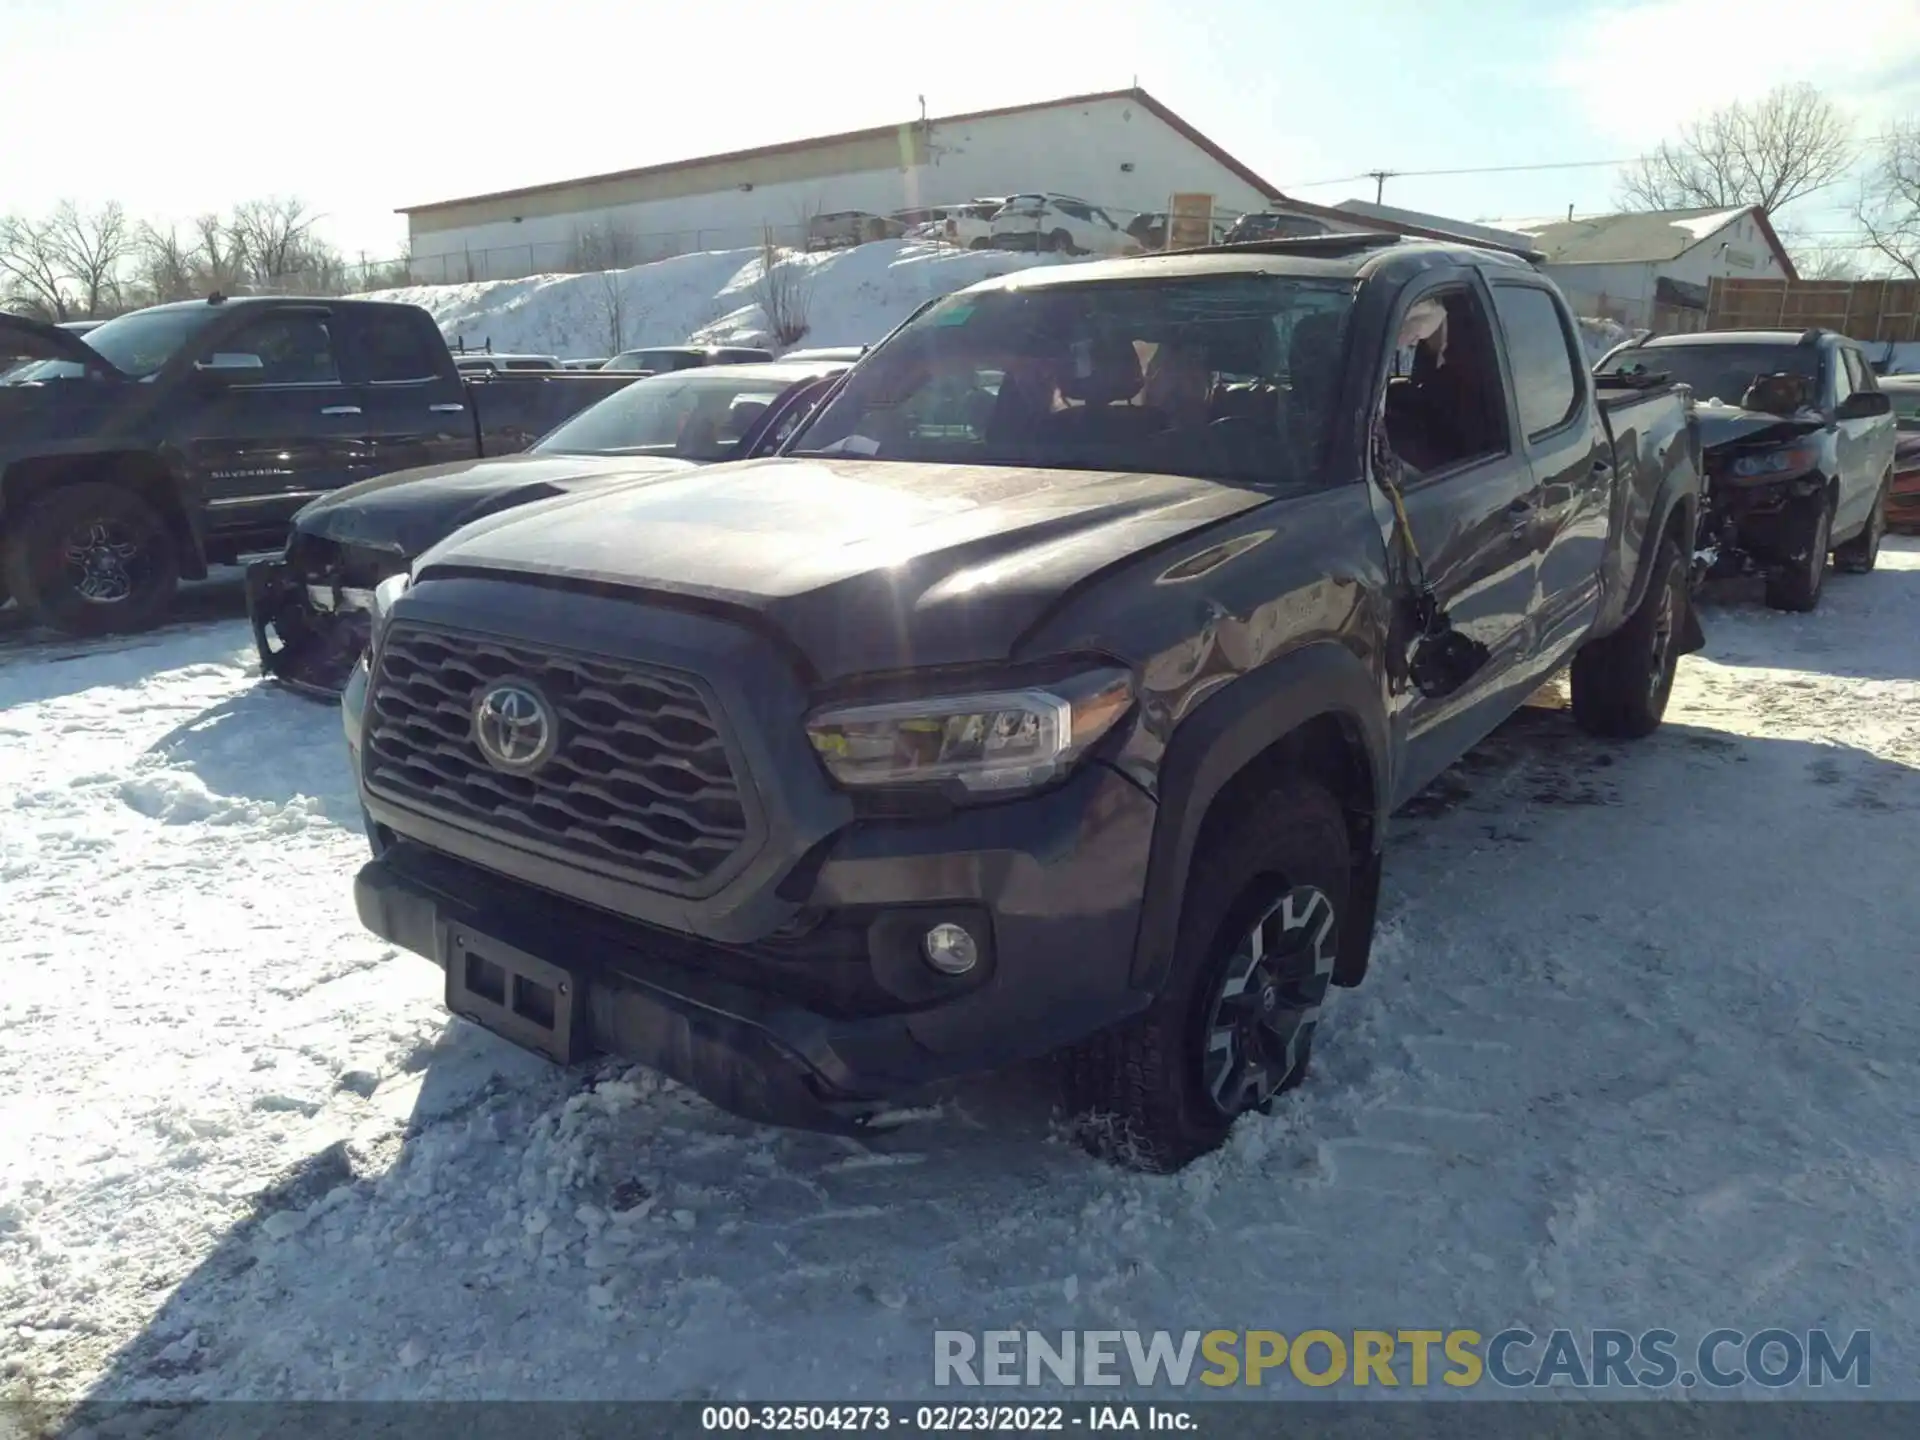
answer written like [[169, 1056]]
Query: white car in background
[[969, 226], [1061, 223]]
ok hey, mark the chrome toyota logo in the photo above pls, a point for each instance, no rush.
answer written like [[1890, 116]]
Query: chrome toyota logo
[[514, 728]]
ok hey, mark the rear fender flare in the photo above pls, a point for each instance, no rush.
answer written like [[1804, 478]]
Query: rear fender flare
[[1674, 495], [1228, 733]]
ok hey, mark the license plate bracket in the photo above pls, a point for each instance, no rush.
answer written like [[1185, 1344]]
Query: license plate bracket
[[520, 997]]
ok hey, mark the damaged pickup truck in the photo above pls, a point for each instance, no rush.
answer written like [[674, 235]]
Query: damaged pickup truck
[[1049, 692], [309, 607], [186, 435], [1799, 445]]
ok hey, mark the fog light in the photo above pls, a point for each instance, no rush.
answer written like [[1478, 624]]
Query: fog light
[[950, 949]]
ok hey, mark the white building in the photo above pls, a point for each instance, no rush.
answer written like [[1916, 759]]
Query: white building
[[1646, 269], [1122, 150]]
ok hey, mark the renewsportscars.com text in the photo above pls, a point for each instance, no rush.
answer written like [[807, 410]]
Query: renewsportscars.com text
[[1512, 1359]]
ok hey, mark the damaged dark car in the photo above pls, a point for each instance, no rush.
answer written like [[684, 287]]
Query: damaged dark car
[[309, 607], [1798, 441]]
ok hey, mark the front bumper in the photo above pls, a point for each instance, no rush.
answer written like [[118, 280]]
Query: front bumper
[[308, 633], [1750, 527], [825, 1022]]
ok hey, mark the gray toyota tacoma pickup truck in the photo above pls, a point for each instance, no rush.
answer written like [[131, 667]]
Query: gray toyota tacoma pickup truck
[[1049, 692]]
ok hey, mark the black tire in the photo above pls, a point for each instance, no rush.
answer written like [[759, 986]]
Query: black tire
[[1796, 585], [980, 243], [1146, 1089], [1860, 554], [92, 559], [1060, 242], [1621, 684]]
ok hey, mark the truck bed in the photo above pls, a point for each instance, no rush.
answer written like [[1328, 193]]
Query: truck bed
[[514, 408]]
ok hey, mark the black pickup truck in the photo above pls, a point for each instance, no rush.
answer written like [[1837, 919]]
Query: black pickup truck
[[186, 435], [1050, 691]]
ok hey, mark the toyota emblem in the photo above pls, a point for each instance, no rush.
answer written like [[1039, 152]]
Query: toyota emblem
[[515, 728]]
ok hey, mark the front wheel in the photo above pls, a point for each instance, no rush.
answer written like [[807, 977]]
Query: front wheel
[[92, 559], [1796, 584], [1061, 242], [1234, 1024], [1621, 684], [1860, 554]]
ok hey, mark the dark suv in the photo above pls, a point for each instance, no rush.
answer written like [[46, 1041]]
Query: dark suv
[[1052, 687]]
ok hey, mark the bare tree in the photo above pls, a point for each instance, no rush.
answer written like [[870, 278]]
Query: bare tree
[[1888, 211], [167, 266], [220, 266], [93, 247], [271, 240], [32, 275], [613, 309], [603, 245], [784, 289], [1789, 144]]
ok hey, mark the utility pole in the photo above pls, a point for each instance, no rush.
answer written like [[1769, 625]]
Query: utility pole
[[1380, 178]]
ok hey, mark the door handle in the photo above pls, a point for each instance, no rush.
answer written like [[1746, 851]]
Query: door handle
[[341, 410], [448, 409]]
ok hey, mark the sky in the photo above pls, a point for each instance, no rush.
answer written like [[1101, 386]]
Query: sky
[[361, 106]]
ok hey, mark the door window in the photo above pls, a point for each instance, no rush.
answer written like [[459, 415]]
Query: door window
[[1546, 385], [294, 349], [1445, 404], [396, 351]]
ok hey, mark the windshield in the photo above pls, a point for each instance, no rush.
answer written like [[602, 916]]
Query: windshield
[[1721, 373], [700, 416], [1229, 377]]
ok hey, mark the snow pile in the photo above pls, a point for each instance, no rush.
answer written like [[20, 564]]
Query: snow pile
[[854, 296]]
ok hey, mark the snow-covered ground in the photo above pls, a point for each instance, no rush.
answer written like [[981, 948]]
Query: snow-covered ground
[[853, 297], [1638, 1052]]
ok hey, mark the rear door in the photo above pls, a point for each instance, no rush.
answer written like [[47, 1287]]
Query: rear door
[[1865, 445], [266, 439], [1468, 490], [416, 404], [1572, 462]]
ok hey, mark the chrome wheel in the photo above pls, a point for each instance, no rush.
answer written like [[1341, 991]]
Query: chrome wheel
[[102, 562], [1268, 1000], [1665, 623]]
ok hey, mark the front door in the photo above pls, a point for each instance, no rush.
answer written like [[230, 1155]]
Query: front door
[[1865, 446], [1470, 505], [276, 425]]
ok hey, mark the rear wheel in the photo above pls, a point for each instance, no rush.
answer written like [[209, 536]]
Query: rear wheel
[[1234, 1024], [1860, 554], [92, 559], [1796, 584], [1621, 684]]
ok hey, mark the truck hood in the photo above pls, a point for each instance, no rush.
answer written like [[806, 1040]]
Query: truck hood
[[406, 512], [863, 565], [36, 340], [1722, 425]]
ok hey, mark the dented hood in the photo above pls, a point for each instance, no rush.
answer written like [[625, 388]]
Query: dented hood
[[864, 565], [24, 339], [1722, 425], [411, 510]]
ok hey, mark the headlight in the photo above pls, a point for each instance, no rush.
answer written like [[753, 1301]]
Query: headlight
[[385, 594], [1777, 462], [990, 742]]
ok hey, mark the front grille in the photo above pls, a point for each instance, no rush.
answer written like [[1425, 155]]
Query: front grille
[[639, 779]]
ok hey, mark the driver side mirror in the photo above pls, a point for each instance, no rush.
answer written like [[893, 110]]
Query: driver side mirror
[[1864, 405]]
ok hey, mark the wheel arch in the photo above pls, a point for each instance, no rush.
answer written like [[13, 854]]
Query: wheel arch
[[143, 472], [1316, 711]]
